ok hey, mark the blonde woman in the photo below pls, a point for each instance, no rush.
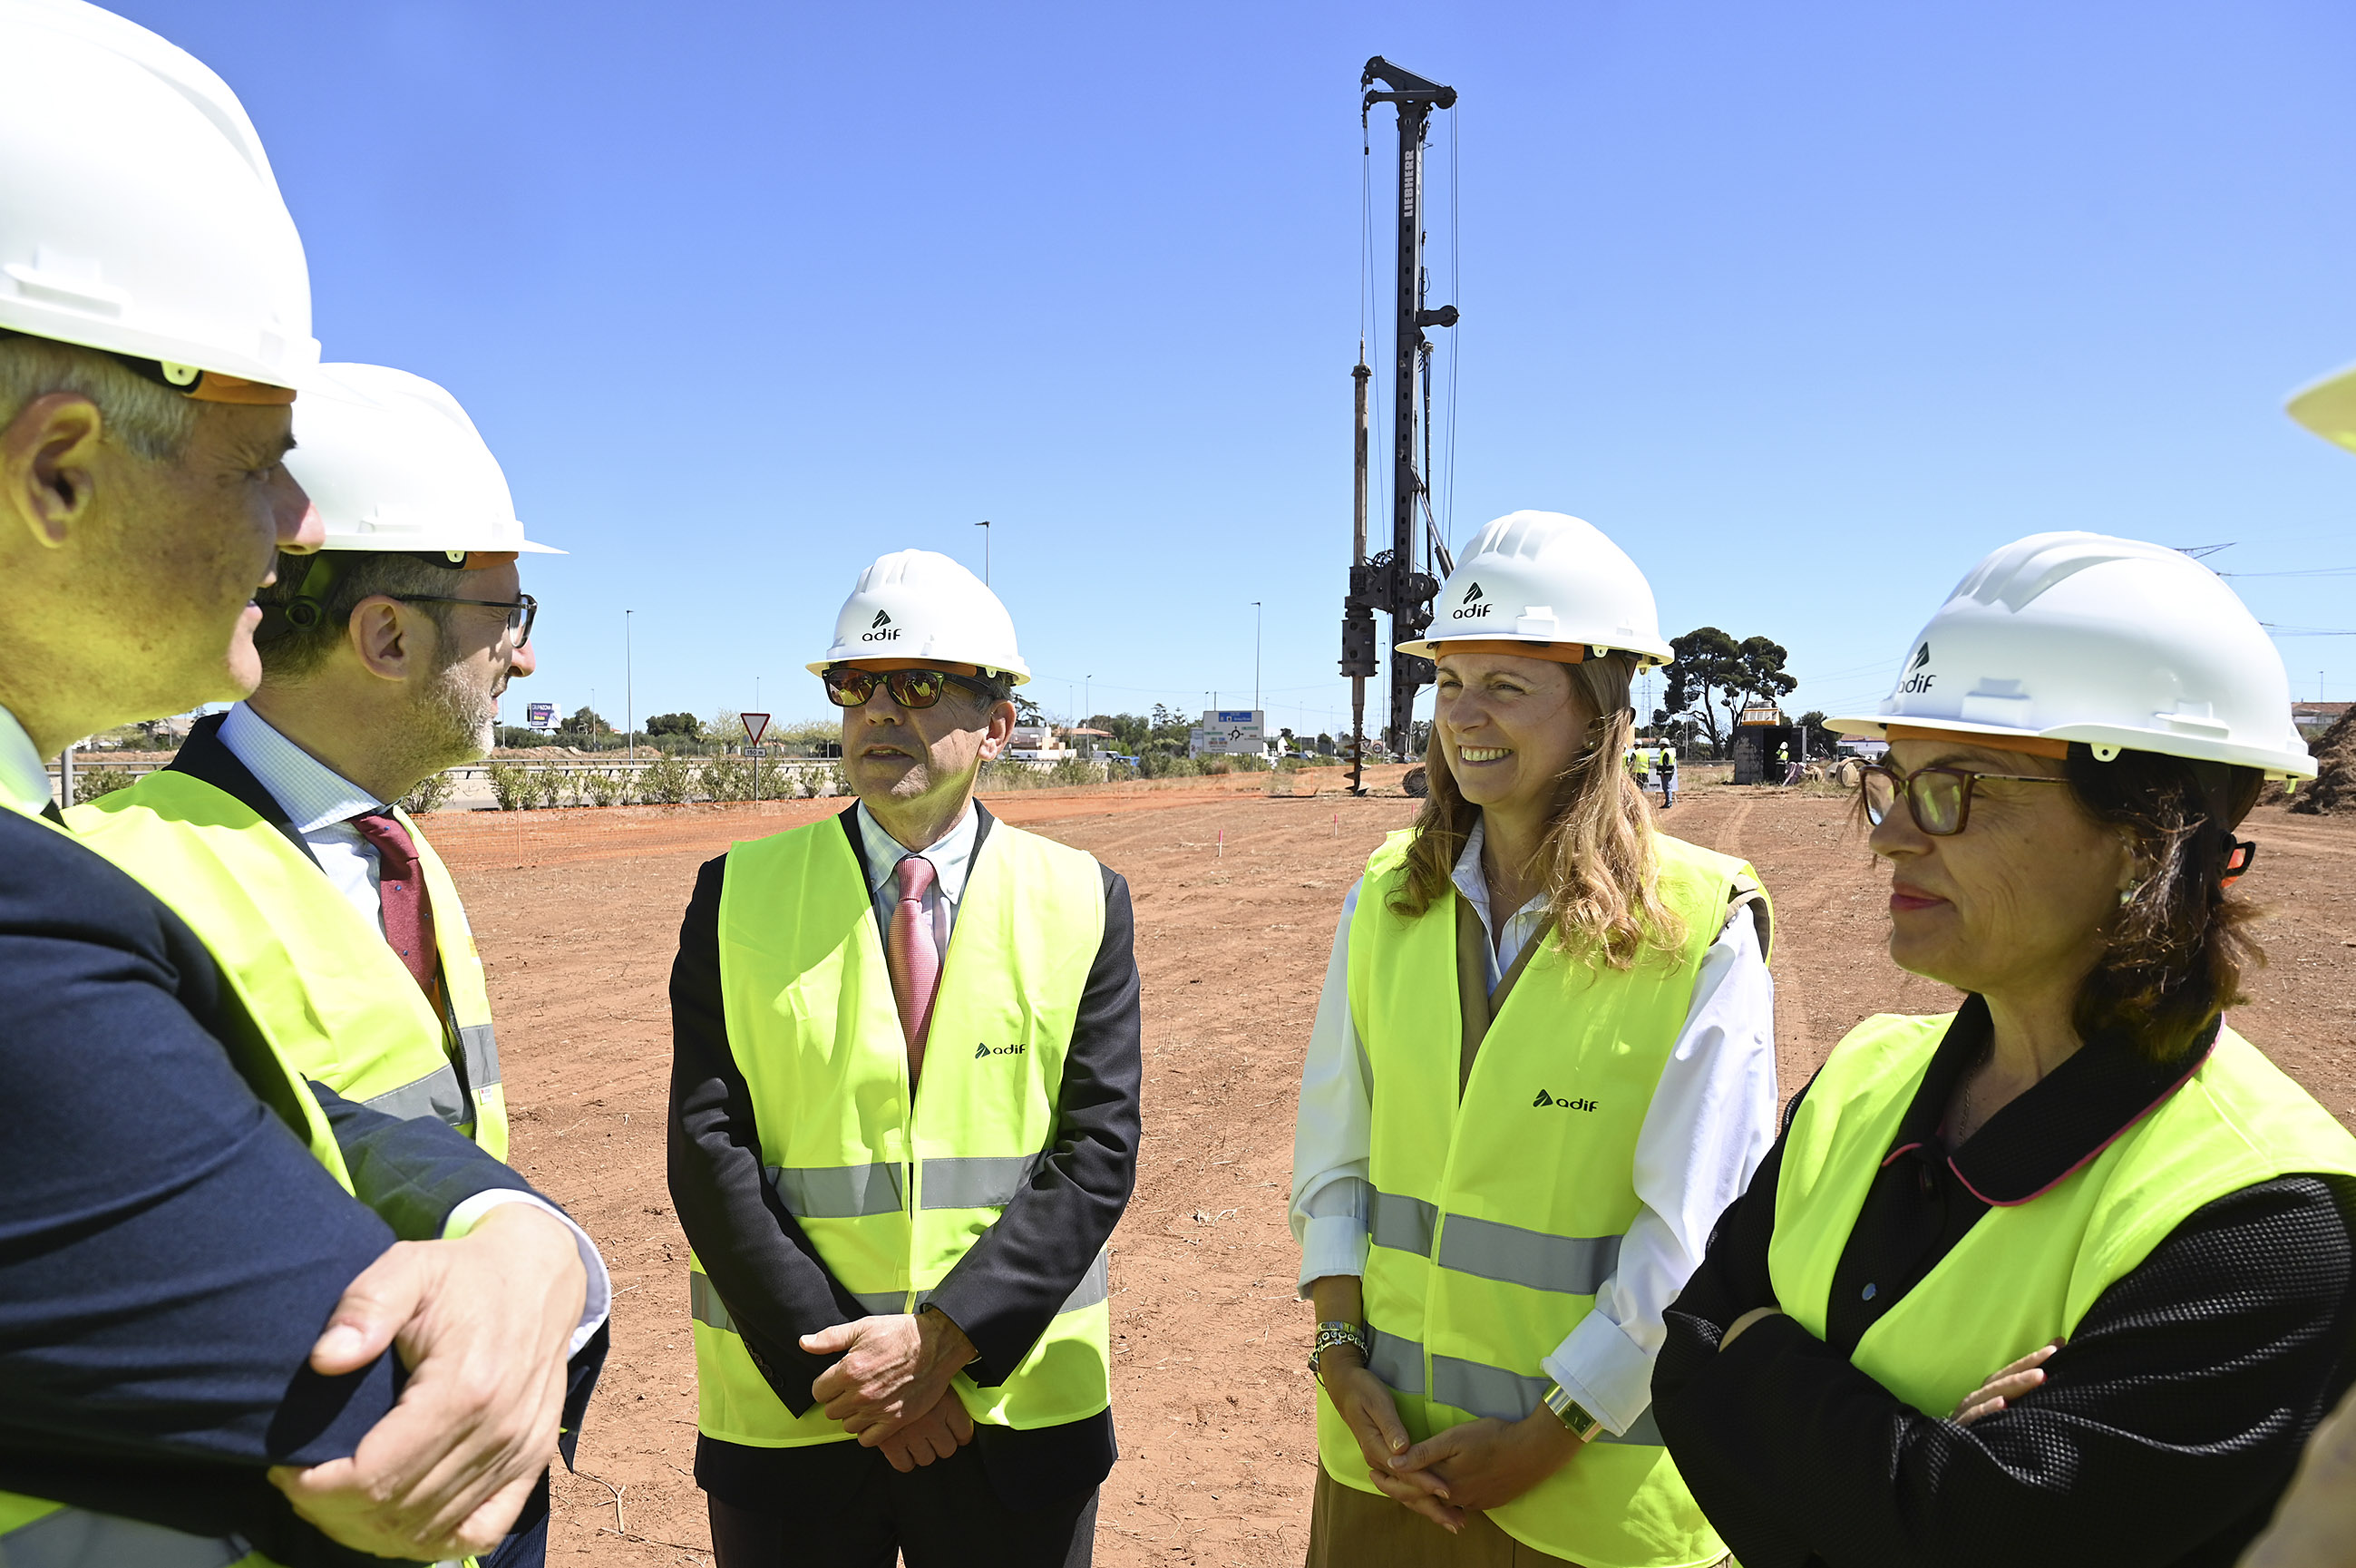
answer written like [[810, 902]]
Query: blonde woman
[[1542, 1066]]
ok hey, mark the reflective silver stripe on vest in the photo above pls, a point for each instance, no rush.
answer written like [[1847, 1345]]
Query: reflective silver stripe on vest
[[977, 1181], [481, 1050], [704, 1304], [1508, 1396], [71, 1538], [438, 1094], [1405, 1224], [1575, 1266], [1397, 1362], [1093, 1287], [839, 1192]]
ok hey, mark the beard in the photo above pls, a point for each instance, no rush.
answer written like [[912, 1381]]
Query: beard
[[451, 723]]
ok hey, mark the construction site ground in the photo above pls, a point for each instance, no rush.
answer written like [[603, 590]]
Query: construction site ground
[[1236, 896]]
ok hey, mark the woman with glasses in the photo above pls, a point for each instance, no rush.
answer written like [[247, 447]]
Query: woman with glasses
[[2062, 1276], [1544, 1062]]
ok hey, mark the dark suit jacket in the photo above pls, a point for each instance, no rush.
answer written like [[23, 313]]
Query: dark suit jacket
[[168, 1248], [1002, 1294]]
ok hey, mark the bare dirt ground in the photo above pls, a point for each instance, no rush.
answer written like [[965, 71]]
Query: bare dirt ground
[[1236, 895]]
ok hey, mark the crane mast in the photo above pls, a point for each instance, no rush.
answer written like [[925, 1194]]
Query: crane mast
[[1392, 582]]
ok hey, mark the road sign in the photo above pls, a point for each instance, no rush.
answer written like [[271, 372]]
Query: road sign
[[755, 725]]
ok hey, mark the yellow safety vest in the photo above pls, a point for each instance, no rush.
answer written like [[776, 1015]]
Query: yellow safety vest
[[333, 998], [2026, 1273], [890, 1194], [36, 1533], [1495, 1216]]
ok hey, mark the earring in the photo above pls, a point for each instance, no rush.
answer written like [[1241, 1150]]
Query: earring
[[2126, 894]]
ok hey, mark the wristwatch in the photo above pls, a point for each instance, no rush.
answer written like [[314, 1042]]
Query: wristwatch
[[1572, 1413]]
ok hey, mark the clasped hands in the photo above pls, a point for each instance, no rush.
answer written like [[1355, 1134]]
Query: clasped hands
[[892, 1387], [1480, 1464]]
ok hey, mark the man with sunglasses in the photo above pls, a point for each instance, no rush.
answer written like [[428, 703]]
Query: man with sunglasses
[[904, 1124], [275, 833]]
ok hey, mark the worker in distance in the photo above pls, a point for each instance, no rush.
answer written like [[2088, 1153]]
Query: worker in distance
[[276, 831], [904, 1124], [1543, 1062], [205, 1258], [2066, 1275]]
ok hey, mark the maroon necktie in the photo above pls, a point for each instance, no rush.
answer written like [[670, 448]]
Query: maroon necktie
[[407, 913]]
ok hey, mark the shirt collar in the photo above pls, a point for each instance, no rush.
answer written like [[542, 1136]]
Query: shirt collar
[[951, 853], [1474, 887], [23, 776], [2061, 1123], [312, 794]]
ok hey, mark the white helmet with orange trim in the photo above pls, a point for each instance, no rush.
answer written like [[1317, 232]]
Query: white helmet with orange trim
[[1544, 579]]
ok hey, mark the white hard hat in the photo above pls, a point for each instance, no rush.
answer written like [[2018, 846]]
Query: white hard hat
[[2327, 407], [917, 604], [2123, 645], [393, 463], [1547, 577], [141, 216]]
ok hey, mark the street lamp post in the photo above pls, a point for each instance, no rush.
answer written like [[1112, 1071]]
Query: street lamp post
[[984, 526], [629, 691], [1256, 619]]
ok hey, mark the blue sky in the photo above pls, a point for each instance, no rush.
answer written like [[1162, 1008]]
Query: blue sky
[[1807, 305]]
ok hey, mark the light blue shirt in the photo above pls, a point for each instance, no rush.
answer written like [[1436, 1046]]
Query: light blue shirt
[[320, 801], [23, 777], [952, 858]]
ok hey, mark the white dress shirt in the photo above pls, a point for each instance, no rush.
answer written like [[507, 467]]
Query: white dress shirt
[[321, 803], [23, 776], [1711, 1120], [952, 858]]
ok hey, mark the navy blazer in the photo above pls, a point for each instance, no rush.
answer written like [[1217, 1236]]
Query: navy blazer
[[169, 1249]]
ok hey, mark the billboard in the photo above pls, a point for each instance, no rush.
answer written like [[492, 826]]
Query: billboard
[[540, 715]]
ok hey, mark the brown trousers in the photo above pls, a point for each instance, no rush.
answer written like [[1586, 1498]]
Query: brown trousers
[[1351, 1528]]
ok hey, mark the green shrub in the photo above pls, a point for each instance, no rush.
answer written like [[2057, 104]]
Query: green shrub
[[433, 792], [511, 784], [667, 782], [89, 783], [604, 787], [550, 788], [728, 779]]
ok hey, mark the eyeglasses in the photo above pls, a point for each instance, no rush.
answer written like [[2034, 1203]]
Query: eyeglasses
[[850, 688], [521, 609], [1939, 799]]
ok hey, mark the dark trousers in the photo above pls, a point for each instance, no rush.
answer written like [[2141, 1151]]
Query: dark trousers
[[941, 1515]]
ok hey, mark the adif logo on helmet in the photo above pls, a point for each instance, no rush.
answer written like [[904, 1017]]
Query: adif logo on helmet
[[1471, 609], [1917, 678], [881, 629]]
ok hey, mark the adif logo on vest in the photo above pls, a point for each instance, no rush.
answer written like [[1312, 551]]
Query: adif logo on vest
[[1548, 1100], [981, 1051], [1917, 678], [881, 629], [1471, 609]]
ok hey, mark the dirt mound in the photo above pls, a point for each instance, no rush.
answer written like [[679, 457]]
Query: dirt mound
[[2335, 788]]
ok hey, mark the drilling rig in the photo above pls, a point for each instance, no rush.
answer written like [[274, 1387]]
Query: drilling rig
[[1397, 581]]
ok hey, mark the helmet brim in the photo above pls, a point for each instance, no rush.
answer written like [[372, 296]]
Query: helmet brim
[[2274, 764]]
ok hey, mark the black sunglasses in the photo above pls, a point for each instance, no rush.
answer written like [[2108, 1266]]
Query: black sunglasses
[[521, 610], [1938, 799], [850, 688]]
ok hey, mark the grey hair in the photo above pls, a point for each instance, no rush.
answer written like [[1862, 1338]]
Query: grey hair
[[152, 421], [292, 653]]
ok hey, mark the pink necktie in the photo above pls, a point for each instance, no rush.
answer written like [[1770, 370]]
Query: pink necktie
[[407, 913], [914, 956]]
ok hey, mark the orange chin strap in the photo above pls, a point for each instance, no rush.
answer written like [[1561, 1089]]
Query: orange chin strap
[[1554, 652], [2033, 745], [211, 386]]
